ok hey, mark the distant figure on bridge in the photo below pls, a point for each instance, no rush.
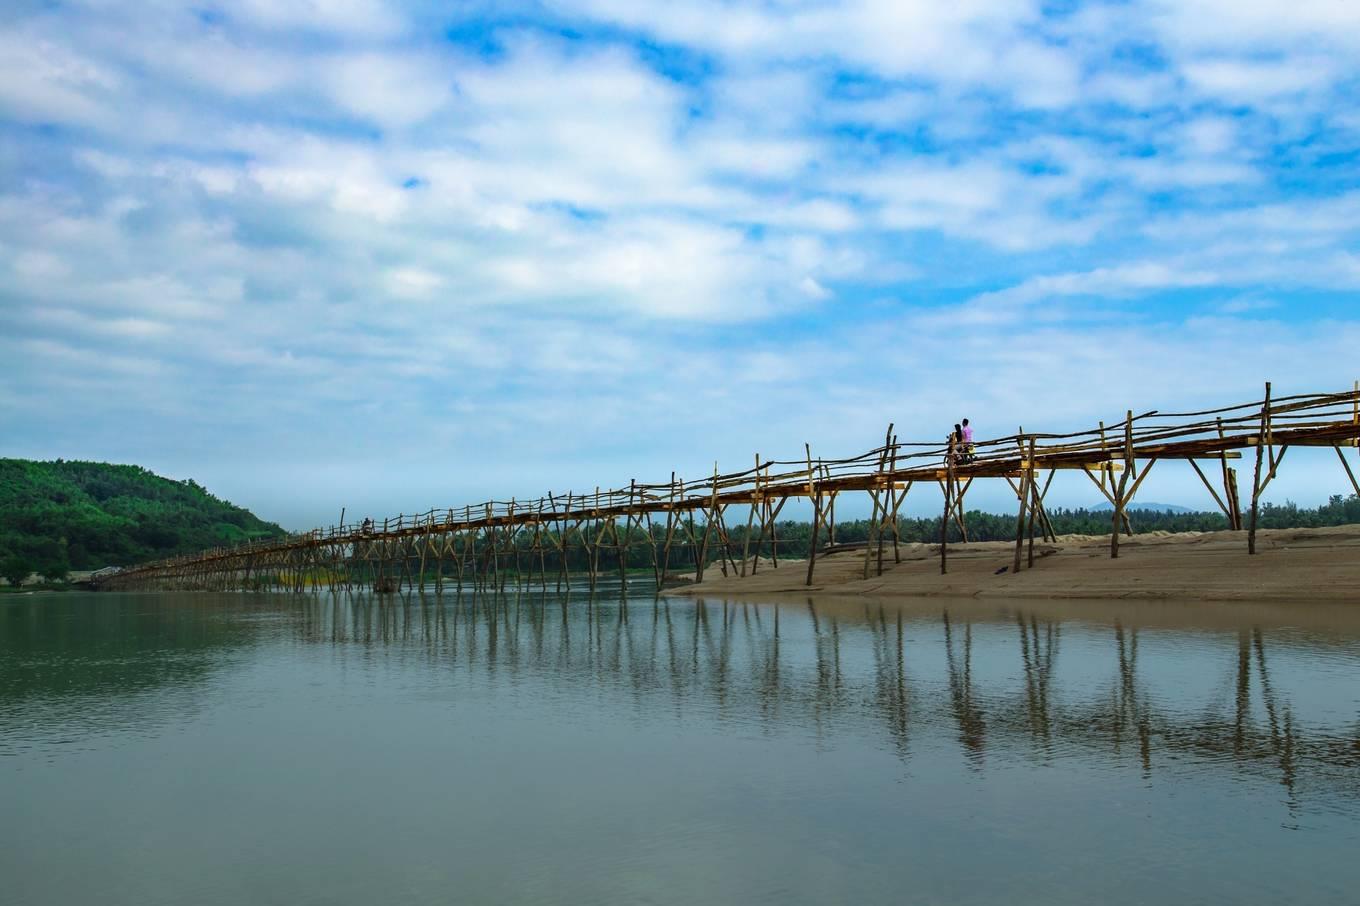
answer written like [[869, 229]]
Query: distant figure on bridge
[[367, 527], [968, 448], [956, 444]]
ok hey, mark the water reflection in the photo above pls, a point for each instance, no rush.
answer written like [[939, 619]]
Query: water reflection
[[997, 682], [964, 681]]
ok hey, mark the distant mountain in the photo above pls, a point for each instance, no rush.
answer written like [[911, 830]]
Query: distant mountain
[[87, 515], [1140, 505]]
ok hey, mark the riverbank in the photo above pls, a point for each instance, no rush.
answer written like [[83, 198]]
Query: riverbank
[[1320, 564]]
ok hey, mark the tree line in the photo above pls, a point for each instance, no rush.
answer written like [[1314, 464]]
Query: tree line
[[68, 515]]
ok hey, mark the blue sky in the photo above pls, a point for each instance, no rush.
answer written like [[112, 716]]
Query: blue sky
[[392, 256]]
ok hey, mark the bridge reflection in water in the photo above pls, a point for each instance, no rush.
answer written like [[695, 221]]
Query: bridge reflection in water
[[1259, 702]]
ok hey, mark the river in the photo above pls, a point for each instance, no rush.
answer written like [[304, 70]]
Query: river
[[546, 748]]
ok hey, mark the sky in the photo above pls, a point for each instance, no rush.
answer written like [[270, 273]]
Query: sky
[[390, 256]]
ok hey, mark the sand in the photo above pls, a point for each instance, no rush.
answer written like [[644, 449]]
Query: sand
[[1305, 565]]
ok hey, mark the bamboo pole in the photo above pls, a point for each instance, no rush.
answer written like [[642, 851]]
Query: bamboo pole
[[1262, 440], [1034, 503], [1119, 499], [1024, 501], [815, 494], [948, 503]]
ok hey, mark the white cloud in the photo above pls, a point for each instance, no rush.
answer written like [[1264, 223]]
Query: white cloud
[[1255, 25], [367, 18], [44, 82], [1248, 80], [388, 89]]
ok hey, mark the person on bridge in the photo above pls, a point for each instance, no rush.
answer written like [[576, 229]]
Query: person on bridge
[[968, 448], [367, 527]]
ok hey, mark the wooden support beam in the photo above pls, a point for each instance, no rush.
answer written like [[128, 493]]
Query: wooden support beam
[[1119, 498], [815, 493], [1227, 512], [1256, 481], [948, 504], [1349, 474]]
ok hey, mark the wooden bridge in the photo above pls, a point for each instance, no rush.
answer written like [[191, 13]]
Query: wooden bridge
[[685, 524]]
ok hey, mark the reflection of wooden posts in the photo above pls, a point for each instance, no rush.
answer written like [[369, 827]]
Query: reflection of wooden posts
[[1262, 440]]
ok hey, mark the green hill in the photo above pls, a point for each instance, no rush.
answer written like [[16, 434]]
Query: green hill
[[87, 515]]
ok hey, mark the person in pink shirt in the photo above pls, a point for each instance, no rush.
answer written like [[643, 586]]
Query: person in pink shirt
[[967, 441]]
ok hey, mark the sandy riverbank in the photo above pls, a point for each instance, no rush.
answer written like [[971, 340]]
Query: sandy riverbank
[[1290, 565]]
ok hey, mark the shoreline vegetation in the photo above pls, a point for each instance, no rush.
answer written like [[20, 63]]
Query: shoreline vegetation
[[68, 516]]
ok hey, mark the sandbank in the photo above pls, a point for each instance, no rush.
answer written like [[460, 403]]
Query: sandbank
[[1304, 565]]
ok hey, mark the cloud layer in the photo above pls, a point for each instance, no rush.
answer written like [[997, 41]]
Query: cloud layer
[[366, 253]]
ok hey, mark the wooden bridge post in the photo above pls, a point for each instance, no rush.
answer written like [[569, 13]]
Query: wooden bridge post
[[672, 519], [621, 546], [1119, 498], [597, 532], [1035, 505], [562, 522], [1024, 496], [1229, 483], [653, 543], [815, 495], [1355, 421], [1262, 441], [895, 500], [948, 504], [725, 537], [702, 559], [539, 533], [750, 520]]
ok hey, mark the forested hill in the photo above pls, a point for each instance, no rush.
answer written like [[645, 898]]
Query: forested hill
[[87, 515]]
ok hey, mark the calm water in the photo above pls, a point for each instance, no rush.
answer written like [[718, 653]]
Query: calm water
[[270, 749]]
